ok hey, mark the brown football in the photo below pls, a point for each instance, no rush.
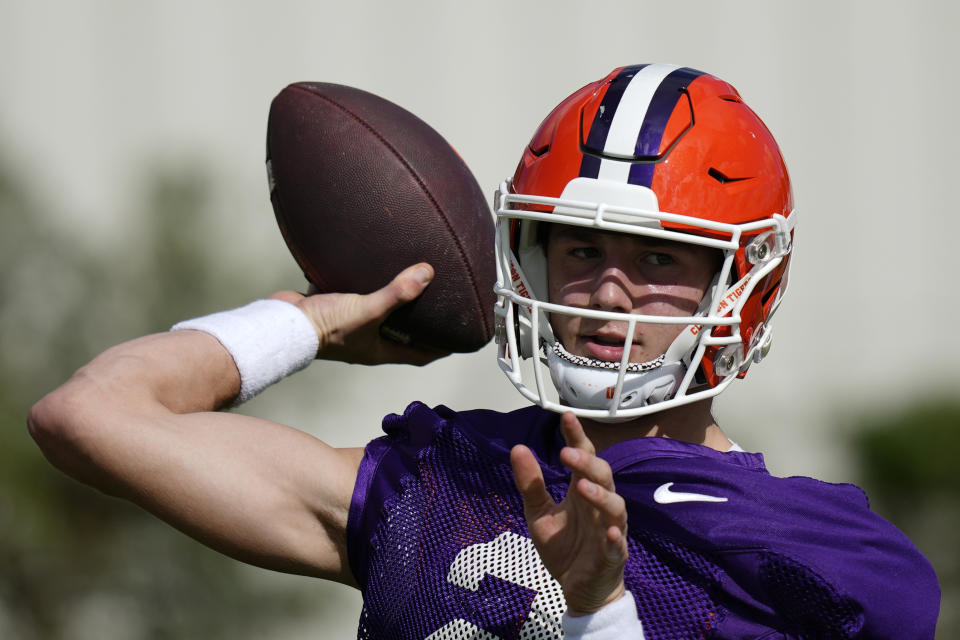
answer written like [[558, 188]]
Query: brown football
[[362, 189]]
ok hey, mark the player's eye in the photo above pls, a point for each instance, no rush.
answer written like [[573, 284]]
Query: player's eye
[[659, 259], [584, 253]]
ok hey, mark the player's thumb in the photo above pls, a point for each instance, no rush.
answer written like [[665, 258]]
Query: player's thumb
[[406, 286]]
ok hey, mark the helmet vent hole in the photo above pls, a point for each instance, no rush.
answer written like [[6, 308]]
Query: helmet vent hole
[[539, 150], [722, 178]]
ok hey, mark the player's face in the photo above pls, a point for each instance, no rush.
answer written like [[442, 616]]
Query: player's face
[[606, 271]]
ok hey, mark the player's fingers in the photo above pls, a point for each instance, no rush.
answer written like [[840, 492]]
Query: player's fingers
[[616, 546], [407, 285], [529, 480], [610, 505], [573, 433], [588, 465]]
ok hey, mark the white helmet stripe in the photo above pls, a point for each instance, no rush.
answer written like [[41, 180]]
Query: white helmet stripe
[[630, 115]]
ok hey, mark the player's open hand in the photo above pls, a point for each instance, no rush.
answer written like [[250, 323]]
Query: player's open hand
[[348, 324], [583, 539]]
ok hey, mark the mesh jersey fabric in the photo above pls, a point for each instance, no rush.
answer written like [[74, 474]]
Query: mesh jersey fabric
[[438, 542]]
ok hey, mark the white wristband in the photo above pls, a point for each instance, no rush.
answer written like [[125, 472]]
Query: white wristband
[[268, 340], [615, 621]]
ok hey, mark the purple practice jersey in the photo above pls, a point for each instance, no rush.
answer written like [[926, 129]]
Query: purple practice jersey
[[718, 547]]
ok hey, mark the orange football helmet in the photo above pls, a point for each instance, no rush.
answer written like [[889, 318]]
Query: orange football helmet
[[651, 150]]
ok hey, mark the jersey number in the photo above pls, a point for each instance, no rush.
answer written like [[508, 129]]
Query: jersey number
[[512, 558]]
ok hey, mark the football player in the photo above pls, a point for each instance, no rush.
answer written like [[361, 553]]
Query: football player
[[643, 247]]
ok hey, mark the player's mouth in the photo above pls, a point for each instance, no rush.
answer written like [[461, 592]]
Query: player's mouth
[[608, 345]]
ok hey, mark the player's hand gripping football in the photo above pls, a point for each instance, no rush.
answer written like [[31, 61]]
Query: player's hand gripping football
[[583, 539], [348, 324]]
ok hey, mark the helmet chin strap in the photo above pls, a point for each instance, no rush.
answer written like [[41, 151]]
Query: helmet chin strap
[[586, 386]]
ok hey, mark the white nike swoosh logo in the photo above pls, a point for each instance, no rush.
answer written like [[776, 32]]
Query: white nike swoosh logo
[[663, 495]]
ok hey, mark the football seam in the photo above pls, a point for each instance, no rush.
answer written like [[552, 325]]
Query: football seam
[[433, 201]]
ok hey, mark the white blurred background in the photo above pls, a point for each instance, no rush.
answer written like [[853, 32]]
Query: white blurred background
[[860, 95]]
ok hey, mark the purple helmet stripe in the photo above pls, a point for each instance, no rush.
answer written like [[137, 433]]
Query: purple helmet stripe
[[600, 127], [661, 107]]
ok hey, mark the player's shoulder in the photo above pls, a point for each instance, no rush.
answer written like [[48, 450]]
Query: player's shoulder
[[421, 425]]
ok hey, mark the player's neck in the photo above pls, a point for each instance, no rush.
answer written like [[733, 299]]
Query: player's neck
[[688, 423]]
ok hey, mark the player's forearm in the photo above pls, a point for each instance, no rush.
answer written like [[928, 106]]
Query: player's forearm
[[182, 372]]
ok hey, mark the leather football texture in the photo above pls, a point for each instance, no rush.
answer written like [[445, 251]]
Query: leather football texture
[[362, 189]]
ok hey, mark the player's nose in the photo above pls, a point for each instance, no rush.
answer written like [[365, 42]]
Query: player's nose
[[611, 291]]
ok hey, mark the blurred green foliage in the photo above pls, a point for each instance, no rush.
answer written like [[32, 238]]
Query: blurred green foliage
[[74, 563], [912, 452], [908, 460]]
